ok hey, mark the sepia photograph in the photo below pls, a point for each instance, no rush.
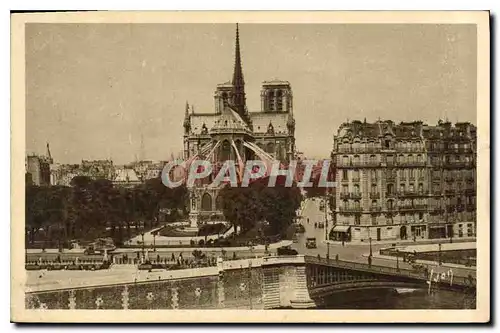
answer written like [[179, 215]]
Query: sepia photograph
[[243, 166]]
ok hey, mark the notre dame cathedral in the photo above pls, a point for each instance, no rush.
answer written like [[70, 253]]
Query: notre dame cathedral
[[231, 125]]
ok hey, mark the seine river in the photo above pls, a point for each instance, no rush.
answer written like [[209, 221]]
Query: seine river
[[418, 299]]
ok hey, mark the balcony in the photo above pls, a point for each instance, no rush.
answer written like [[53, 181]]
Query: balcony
[[350, 195], [412, 163], [345, 180], [358, 164], [375, 209], [390, 195], [412, 207], [356, 180], [374, 195], [359, 150], [458, 165], [437, 210], [470, 191], [413, 193], [449, 192], [350, 209], [410, 149], [449, 179]]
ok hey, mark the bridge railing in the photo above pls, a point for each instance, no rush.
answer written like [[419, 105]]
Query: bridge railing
[[456, 280]]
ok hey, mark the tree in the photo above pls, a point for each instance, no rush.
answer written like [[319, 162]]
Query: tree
[[241, 207]]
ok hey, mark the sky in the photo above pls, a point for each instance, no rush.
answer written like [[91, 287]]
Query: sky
[[93, 90]]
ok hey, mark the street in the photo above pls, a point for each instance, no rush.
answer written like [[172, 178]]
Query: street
[[350, 252]]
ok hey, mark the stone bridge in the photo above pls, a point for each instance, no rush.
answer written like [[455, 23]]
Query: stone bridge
[[263, 283]]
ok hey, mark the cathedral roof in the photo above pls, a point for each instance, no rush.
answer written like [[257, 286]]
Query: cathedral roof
[[229, 121], [261, 121]]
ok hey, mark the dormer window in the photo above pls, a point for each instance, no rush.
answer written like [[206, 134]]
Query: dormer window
[[270, 129]]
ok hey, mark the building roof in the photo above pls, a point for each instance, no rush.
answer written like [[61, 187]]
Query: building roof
[[126, 175], [260, 121]]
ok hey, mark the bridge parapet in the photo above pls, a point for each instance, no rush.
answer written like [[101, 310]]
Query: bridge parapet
[[283, 260], [425, 276]]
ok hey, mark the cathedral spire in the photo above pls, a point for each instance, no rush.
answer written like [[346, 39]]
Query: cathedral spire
[[238, 93]]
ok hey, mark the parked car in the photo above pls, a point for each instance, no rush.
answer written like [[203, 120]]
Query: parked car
[[311, 243]]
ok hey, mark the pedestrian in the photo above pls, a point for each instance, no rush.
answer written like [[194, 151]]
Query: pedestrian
[[343, 244], [414, 238]]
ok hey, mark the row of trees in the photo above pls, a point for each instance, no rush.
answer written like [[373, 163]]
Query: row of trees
[[88, 208]]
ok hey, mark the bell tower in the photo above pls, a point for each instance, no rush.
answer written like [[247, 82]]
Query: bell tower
[[276, 96]]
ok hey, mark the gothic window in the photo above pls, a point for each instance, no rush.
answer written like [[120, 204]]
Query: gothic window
[[356, 159], [225, 99], [218, 203], [374, 188], [225, 151], [344, 174], [356, 189], [270, 148], [206, 202], [420, 188], [279, 101], [270, 99], [373, 174]]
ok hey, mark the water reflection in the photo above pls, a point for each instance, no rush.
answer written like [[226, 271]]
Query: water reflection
[[391, 299]]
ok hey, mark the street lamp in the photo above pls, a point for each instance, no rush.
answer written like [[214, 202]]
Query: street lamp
[[439, 254], [397, 260], [250, 282], [154, 241], [371, 253]]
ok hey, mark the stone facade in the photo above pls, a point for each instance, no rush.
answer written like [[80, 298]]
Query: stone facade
[[404, 181], [230, 125]]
